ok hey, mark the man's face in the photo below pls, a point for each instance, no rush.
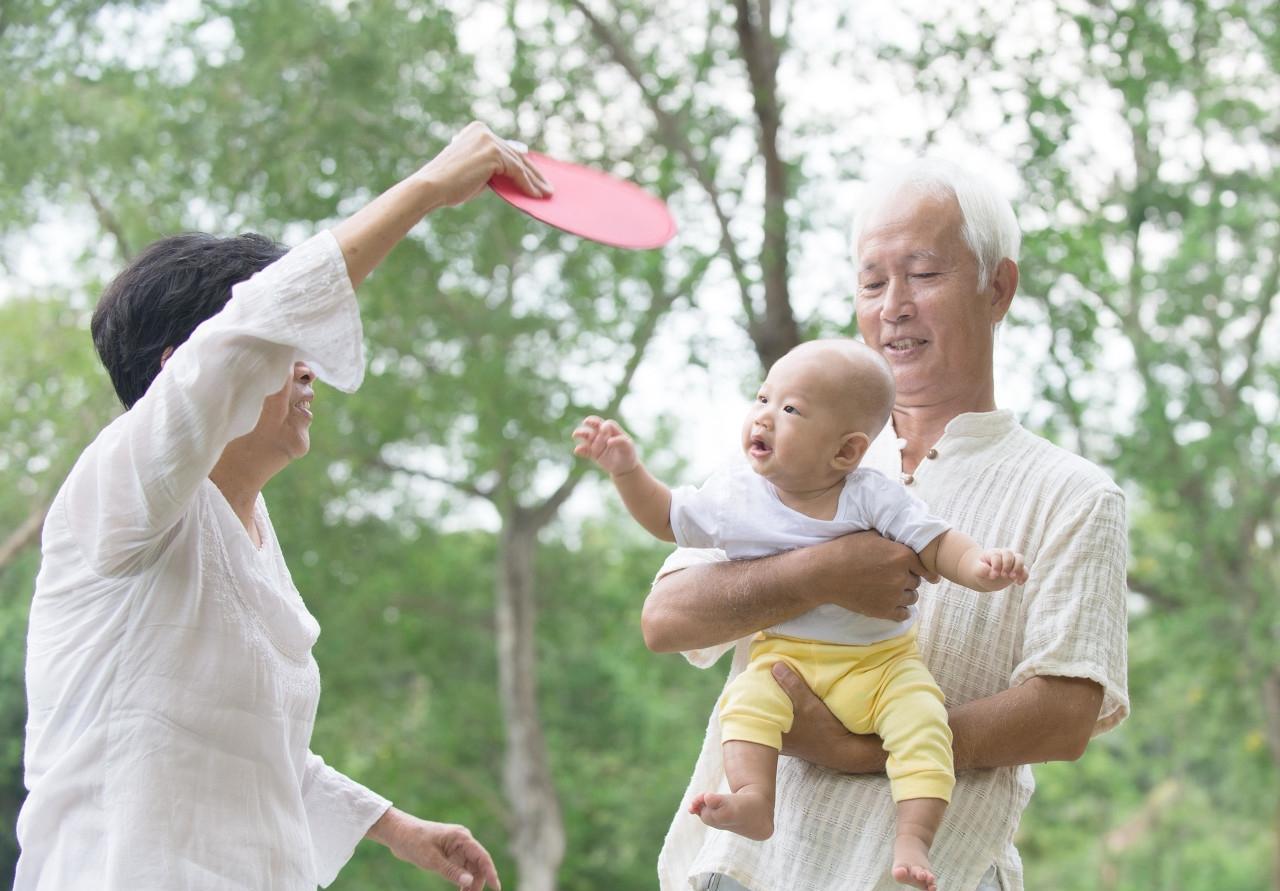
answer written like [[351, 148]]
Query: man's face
[[918, 303]]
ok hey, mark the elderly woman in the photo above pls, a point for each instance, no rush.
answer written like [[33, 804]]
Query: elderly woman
[[170, 681]]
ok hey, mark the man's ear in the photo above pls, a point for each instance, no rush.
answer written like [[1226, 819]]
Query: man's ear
[[164, 357], [1003, 285], [849, 455]]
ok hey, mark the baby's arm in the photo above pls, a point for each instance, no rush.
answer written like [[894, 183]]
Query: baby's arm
[[646, 497], [957, 557]]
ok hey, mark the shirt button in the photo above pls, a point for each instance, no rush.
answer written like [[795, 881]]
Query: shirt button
[[933, 453], [907, 479]]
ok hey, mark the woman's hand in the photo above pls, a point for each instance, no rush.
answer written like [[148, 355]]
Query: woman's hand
[[455, 175], [443, 848], [472, 158]]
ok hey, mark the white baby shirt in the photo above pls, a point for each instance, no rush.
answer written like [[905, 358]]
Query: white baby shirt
[[739, 511]]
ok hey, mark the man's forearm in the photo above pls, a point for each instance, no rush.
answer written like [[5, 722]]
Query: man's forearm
[[714, 603], [1043, 719]]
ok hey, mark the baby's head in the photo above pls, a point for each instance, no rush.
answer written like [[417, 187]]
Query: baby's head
[[817, 411]]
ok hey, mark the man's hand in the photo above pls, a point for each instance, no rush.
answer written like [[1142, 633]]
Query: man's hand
[[868, 574], [607, 444], [707, 605], [443, 848], [817, 735]]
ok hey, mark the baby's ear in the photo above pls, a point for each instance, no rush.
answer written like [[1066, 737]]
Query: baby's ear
[[852, 448]]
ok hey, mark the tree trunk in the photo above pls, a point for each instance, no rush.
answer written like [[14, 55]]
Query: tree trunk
[[537, 827], [28, 532], [1271, 707]]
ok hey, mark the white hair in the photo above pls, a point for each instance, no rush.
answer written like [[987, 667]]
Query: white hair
[[990, 229]]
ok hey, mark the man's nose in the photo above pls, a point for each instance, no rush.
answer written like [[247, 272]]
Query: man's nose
[[897, 304]]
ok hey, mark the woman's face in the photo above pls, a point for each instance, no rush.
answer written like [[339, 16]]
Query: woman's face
[[284, 427]]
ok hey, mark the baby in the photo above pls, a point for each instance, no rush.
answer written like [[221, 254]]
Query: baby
[[813, 419]]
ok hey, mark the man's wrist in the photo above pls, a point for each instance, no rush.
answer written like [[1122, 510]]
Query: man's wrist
[[800, 567], [863, 754]]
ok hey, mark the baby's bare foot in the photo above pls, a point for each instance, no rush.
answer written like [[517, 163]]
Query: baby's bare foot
[[746, 812], [911, 863]]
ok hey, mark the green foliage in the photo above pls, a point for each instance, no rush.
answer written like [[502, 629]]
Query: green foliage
[[1151, 272]]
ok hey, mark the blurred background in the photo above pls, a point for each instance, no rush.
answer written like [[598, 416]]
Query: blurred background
[[479, 592]]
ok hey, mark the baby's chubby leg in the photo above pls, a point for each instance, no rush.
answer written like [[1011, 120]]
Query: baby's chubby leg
[[918, 820], [752, 770], [911, 719], [754, 713]]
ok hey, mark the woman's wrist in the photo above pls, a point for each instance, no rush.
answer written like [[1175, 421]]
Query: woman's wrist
[[386, 828], [430, 187]]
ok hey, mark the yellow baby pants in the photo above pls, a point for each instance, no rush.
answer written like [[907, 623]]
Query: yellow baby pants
[[882, 688]]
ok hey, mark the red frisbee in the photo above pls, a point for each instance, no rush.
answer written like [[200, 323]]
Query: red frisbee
[[593, 205]]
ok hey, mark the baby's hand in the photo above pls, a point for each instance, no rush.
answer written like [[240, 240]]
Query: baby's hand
[[1003, 567], [607, 444]]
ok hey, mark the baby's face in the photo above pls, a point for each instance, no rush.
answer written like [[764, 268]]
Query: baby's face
[[799, 420]]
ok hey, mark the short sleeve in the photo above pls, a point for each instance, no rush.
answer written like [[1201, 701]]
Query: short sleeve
[[683, 558], [697, 514], [1075, 622], [897, 514]]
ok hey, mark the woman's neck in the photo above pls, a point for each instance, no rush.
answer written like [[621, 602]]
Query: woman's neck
[[241, 493]]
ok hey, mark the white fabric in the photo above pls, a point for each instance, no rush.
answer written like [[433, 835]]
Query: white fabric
[[170, 684], [1000, 484], [990, 881], [739, 511]]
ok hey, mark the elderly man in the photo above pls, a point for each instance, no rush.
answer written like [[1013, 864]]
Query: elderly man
[[1030, 674]]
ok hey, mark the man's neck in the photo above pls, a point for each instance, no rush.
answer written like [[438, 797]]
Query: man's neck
[[922, 425]]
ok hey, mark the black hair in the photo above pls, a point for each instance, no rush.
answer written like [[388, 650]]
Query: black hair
[[163, 295]]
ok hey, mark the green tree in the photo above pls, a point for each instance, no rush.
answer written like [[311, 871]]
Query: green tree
[[56, 402], [269, 115]]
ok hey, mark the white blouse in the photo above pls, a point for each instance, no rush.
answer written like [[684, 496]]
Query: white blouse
[[1004, 486], [170, 684]]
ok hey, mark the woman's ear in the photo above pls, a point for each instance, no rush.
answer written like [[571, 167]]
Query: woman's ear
[[164, 357], [849, 455]]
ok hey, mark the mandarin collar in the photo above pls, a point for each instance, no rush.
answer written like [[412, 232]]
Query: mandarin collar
[[981, 423]]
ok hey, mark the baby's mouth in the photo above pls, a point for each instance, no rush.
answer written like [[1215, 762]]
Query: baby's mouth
[[758, 448]]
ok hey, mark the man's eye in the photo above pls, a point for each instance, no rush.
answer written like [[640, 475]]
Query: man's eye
[[789, 409], [872, 286], [924, 274]]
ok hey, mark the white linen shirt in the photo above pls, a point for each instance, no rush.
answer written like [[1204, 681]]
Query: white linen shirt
[[998, 483], [170, 683], [739, 511]]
